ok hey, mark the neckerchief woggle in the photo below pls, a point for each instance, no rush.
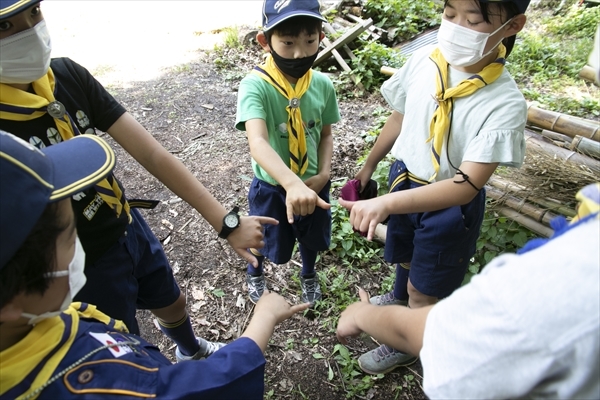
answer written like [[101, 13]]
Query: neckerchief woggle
[[19, 105], [440, 122], [297, 137]]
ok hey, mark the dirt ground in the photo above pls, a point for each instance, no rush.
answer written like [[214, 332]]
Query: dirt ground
[[190, 109]]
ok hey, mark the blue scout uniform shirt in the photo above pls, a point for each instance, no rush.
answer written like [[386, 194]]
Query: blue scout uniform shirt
[[74, 355]]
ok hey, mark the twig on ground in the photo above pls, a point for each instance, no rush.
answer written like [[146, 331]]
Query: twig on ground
[[341, 376], [243, 326]]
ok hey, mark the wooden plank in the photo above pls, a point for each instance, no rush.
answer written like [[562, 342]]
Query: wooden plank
[[346, 38], [329, 29], [344, 65]]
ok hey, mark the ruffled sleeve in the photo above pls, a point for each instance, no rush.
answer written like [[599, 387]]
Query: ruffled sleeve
[[506, 147]]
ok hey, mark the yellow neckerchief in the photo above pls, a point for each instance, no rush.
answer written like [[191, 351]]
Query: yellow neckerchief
[[20, 105], [19, 360], [589, 201], [297, 138], [440, 123]]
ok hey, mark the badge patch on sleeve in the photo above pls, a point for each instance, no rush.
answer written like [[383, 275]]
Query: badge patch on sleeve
[[107, 340]]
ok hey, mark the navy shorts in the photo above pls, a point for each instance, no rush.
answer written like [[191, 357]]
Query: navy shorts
[[133, 274], [312, 231], [438, 244]]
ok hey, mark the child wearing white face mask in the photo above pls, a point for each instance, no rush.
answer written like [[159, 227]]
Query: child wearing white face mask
[[46, 101], [457, 115], [52, 349]]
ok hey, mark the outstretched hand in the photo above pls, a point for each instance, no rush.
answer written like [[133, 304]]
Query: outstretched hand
[[249, 235], [274, 307], [302, 200], [347, 326], [365, 214]]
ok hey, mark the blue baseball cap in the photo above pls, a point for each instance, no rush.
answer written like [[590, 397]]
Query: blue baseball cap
[[521, 4], [277, 11], [8, 8], [31, 178]]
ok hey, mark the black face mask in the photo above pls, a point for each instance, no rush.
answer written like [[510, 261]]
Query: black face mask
[[294, 67]]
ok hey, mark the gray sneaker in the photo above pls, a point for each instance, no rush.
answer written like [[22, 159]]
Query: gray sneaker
[[383, 360], [256, 286], [311, 290], [206, 349], [386, 300]]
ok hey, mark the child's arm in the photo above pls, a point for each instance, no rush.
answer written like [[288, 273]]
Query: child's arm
[[325, 152], [270, 310], [383, 145], [365, 215], [399, 327], [138, 142], [299, 200]]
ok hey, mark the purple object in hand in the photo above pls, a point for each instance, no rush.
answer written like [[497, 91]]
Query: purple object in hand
[[351, 192]]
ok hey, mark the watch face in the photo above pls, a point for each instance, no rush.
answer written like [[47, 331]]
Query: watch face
[[231, 221]]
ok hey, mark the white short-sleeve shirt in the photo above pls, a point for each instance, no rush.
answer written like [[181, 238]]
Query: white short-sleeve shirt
[[487, 126], [528, 326]]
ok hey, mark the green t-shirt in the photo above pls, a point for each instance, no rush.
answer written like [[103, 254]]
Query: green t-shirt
[[259, 99]]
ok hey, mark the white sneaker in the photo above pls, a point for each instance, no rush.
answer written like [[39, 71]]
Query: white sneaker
[[206, 349]]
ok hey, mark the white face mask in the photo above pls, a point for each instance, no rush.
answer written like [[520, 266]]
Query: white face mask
[[25, 56], [462, 47], [76, 281]]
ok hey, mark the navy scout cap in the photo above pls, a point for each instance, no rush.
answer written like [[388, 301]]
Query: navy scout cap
[[31, 178], [521, 4], [277, 11], [8, 8]]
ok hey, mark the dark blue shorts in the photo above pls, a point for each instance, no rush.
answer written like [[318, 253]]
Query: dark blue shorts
[[438, 245], [134, 273], [312, 231]]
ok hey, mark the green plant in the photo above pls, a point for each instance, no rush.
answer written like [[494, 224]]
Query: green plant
[[498, 235], [370, 57], [232, 38], [354, 381], [403, 18], [348, 245], [578, 22]]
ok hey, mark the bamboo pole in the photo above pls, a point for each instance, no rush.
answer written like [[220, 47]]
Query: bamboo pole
[[520, 205], [589, 74], [388, 70], [535, 142], [558, 137], [585, 146], [550, 204], [527, 222], [561, 123]]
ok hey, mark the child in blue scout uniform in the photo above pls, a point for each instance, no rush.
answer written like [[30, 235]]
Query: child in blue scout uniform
[[287, 110], [527, 327], [45, 102], [457, 115], [52, 349]]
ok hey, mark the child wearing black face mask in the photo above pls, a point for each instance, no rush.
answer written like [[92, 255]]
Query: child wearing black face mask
[[287, 110]]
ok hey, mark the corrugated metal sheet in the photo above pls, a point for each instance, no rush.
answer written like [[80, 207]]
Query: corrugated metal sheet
[[422, 40]]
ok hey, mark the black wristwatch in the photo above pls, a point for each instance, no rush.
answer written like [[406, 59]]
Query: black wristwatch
[[231, 220]]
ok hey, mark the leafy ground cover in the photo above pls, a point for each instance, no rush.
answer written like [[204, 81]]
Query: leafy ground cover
[[190, 109]]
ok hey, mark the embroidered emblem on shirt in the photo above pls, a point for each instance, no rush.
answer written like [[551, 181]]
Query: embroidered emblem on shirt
[[107, 340]]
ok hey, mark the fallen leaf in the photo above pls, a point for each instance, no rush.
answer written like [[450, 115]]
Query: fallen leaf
[[198, 294], [196, 306], [241, 302], [167, 224]]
